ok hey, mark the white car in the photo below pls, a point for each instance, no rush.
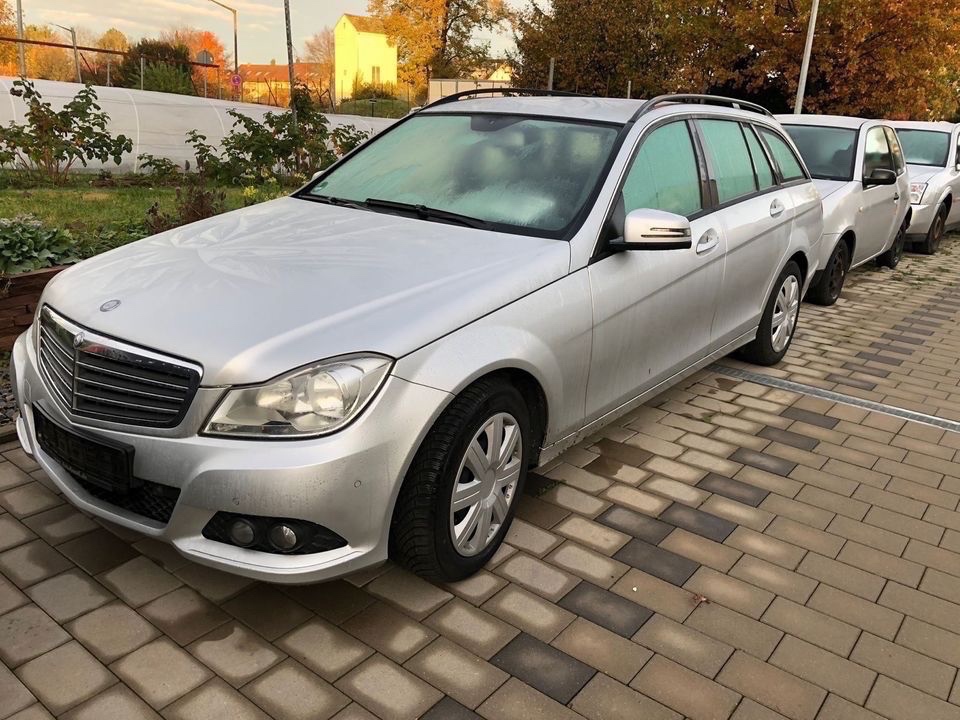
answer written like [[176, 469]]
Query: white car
[[932, 150], [859, 168], [296, 390]]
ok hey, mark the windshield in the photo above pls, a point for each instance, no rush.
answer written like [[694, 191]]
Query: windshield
[[925, 147], [531, 174], [828, 151]]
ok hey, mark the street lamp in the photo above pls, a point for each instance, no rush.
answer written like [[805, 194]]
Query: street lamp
[[236, 66], [805, 63], [76, 53]]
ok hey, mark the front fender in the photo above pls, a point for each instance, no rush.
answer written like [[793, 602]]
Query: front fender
[[546, 334]]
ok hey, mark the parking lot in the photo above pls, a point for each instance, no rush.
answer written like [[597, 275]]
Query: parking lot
[[741, 547]]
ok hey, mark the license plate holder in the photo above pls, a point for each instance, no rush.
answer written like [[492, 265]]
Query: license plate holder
[[106, 464]]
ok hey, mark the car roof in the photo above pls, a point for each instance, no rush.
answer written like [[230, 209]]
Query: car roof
[[942, 125], [838, 121], [594, 109]]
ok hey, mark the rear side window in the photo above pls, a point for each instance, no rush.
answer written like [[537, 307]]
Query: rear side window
[[790, 167], [876, 154], [760, 163], [664, 174], [731, 165], [895, 150]]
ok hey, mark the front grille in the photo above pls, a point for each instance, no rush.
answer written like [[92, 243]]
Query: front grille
[[98, 377], [149, 499]]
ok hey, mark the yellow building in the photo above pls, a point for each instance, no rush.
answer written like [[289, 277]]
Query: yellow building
[[362, 55]]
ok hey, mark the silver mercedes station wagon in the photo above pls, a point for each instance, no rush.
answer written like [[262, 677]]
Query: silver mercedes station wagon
[[368, 368]]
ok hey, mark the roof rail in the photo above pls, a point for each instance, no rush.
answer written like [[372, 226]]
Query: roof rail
[[505, 90], [654, 103]]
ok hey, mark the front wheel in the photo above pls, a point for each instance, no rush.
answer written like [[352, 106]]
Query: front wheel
[[892, 257], [931, 243], [829, 286], [458, 498], [779, 319]]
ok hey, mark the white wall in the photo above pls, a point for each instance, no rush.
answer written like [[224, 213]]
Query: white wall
[[158, 122]]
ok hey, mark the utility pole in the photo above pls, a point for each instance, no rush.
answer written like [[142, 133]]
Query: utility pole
[[21, 55], [236, 63], [293, 107], [807, 51], [550, 76]]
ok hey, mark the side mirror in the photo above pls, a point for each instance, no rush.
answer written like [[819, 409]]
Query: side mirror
[[881, 176], [654, 230], [317, 174]]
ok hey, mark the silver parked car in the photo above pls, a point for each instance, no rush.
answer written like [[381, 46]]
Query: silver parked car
[[295, 390], [932, 150], [859, 167]]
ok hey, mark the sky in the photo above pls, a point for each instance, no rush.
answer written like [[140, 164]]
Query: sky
[[261, 35]]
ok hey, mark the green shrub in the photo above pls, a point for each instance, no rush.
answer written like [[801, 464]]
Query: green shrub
[[52, 142], [194, 202], [160, 168], [162, 77], [346, 137], [26, 244]]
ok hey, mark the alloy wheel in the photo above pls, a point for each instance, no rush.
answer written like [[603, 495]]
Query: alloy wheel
[[838, 272], [785, 313], [486, 484]]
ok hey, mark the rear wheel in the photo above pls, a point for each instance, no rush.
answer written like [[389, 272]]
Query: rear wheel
[[931, 243], [892, 257], [457, 501], [828, 288], [779, 319]]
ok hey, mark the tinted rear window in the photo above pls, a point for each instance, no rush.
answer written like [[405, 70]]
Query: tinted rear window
[[828, 151], [925, 147]]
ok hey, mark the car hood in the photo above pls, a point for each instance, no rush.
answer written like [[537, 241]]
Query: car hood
[[922, 173], [254, 293], [829, 187]]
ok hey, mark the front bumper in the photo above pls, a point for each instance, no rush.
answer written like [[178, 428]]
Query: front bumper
[[921, 220], [347, 481]]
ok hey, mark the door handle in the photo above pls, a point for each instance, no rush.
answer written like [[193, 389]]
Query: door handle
[[708, 241], [896, 197], [776, 208]]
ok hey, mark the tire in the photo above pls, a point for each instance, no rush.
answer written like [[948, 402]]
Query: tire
[[784, 302], [828, 288], [938, 227], [427, 535], [892, 257]]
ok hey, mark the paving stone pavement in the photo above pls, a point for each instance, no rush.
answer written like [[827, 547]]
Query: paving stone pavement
[[730, 550]]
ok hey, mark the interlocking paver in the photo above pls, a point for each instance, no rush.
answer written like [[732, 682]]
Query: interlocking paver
[[387, 690], [65, 677], [725, 539], [605, 699]]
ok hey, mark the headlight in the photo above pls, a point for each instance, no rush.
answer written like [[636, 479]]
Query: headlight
[[308, 402], [916, 192]]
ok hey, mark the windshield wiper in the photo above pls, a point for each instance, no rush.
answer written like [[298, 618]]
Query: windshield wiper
[[426, 213], [330, 200]]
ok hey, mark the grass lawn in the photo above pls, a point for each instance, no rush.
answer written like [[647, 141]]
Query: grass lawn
[[86, 210]]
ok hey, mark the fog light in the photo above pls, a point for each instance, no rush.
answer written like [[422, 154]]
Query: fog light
[[283, 537], [242, 533]]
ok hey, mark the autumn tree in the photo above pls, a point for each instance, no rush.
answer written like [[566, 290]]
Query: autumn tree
[[889, 58], [48, 63], [113, 39], [196, 41], [437, 38], [598, 46], [8, 51], [884, 58]]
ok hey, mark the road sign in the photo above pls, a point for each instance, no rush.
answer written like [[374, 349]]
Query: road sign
[[205, 57], [236, 81]]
